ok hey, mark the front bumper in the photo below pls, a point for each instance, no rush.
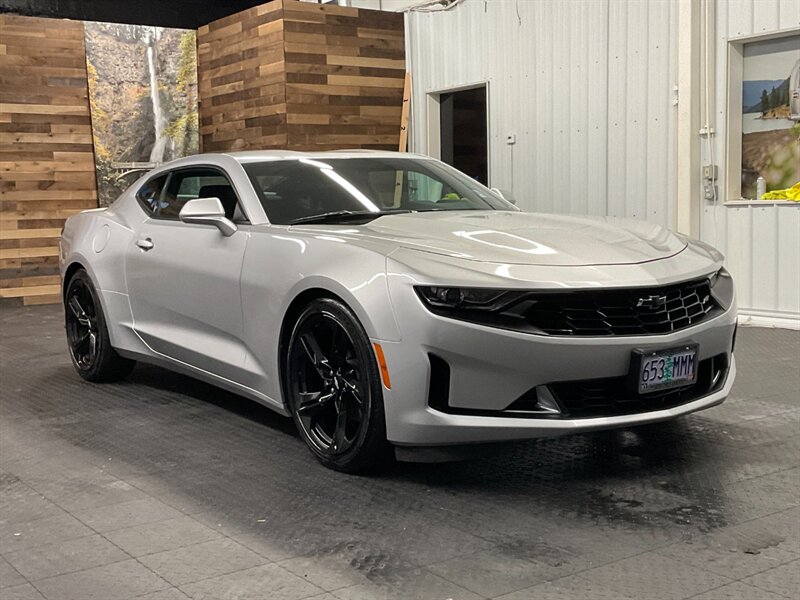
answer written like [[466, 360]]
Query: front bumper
[[490, 368]]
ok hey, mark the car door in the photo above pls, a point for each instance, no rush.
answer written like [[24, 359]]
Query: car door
[[183, 279]]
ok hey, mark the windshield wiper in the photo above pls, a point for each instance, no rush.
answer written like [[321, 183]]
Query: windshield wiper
[[346, 214]]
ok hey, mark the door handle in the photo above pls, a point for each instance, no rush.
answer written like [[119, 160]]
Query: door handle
[[145, 244]]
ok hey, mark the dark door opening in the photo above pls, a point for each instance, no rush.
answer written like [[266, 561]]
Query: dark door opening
[[463, 132]]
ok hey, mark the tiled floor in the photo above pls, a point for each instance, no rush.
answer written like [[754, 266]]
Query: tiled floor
[[165, 488]]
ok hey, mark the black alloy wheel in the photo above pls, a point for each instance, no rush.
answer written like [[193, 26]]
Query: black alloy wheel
[[334, 388], [87, 335], [81, 326]]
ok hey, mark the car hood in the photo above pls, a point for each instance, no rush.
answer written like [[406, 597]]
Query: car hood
[[527, 238]]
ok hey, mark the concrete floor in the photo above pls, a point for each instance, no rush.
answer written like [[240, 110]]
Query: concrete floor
[[162, 487]]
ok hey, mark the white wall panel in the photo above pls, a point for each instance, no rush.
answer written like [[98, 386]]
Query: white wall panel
[[788, 283], [574, 80], [617, 48], [766, 16], [761, 242], [764, 255], [789, 13], [595, 198]]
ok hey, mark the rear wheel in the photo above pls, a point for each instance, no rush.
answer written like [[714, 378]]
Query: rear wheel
[[87, 335], [334, 388]]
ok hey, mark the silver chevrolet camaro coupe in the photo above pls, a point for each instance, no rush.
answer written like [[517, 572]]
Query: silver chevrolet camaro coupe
[[388, 302]]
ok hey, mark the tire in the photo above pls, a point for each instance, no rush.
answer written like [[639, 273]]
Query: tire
[[87, 334], [334, 389]]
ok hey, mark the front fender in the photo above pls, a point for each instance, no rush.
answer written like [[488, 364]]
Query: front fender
[[280, 265]]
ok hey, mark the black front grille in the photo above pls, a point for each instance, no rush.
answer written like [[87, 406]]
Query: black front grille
[[613, 396], [639, 311]]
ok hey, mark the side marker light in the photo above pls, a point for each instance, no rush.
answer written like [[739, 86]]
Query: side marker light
[[382, 365]]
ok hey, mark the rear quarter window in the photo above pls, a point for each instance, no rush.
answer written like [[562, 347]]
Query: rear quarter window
[[149, 195]]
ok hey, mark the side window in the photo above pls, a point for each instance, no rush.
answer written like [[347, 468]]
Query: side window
[[149, 194], [188, 184]]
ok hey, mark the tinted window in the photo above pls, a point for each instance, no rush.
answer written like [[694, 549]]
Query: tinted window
[[188, 184], [298, 189], [149, 194]]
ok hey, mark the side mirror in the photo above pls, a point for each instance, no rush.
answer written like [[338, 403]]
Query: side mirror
[[505, 195], [208, 211]]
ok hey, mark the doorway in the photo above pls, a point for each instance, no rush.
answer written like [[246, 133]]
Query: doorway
[[463, 131]]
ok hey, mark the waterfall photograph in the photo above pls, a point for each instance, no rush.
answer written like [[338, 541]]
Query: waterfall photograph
[[143, 99]]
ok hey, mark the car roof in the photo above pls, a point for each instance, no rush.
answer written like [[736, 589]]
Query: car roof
[[251, 156], [264, 155]]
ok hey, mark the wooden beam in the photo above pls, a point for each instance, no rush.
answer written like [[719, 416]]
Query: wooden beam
[[688, 188], [404, 115]]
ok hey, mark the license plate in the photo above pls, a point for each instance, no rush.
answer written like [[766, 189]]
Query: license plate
[[664, 369]]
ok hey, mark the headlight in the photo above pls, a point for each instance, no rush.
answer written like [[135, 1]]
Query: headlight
[[721, 286], [463, 298]]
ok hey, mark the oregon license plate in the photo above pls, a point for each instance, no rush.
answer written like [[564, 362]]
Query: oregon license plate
[[664, 369]]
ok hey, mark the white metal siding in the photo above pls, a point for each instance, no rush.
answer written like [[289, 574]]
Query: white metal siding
[[586, 86], [761, 242]]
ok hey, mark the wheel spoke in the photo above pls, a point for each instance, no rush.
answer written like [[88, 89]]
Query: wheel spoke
[[338, 434], [350, 379], [315, 354], [77, 310], [312, 402], [336, 346], [92, 346], [356, 405], [355, 395], [75, 306], [352, 385], [81, 341]]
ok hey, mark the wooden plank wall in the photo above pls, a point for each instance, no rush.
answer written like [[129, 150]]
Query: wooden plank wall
[[47, 167], [337, 83], [241, 80], [345, 72]]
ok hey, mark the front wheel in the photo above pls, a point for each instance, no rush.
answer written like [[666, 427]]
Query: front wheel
[[334, 388], [87, 334]]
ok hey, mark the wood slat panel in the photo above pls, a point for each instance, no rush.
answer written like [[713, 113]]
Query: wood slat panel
[[29, 291], [242, 80], [340, 94], [49, 299], [301, 76], [46, 155], [29, 252], [19, 234]]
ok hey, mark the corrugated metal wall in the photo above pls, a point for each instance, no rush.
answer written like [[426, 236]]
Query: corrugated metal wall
[[761, 242], [586, 86]]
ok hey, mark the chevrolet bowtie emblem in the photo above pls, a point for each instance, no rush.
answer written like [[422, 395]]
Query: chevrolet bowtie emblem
[[651, 302]]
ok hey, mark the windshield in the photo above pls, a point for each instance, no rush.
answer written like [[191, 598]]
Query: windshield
[[300, 190]]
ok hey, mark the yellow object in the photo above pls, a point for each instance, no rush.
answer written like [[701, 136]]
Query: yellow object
[[792, 193], [382, 365]]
